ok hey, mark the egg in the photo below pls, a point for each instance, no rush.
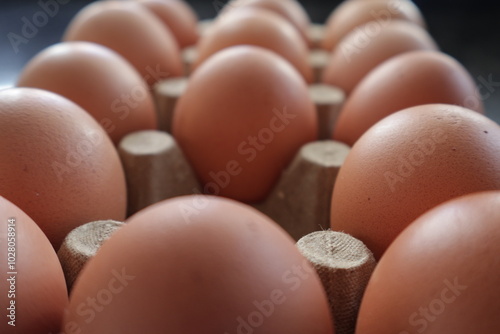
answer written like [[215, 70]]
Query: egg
[[410, 162], [178, 17], [33, 294], [257, 27], [97, 79], [199, 265], [364, 48], [351, 14], [407, 80], [58, 165], [290, 10], [244, 115], [441, 274], [134, 32]]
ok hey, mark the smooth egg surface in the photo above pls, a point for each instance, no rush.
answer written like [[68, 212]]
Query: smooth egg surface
[[199, 264], [409, 163]]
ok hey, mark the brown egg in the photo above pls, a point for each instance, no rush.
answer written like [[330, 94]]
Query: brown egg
[[409, 163], [98, 80], [257, 27], [351, 14], [177, 16], [441, 274], [290, 10], [364, 48], [407, 80], [134, 32], [199, 265], [243, 117], [33, 294], [58, 165]]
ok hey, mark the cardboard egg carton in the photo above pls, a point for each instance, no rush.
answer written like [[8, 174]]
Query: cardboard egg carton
[[156, 169]]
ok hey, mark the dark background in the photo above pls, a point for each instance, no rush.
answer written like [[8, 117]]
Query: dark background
[[467, 30]]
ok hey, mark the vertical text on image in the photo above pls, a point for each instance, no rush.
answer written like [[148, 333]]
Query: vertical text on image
[[11, 271]]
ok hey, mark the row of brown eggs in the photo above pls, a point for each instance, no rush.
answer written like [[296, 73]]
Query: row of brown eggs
[[208, 264]]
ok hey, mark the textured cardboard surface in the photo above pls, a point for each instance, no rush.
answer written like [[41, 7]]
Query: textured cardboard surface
[[81, 244], [300, 202], [344, 265], [155, 169]]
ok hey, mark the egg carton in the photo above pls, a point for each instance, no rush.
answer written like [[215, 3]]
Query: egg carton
[[156, 169]]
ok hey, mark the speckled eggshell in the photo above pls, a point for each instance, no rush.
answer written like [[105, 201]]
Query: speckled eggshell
[[257, 27], [177, 16], [352, 14], [290, 10], [133, 31], [58, 165], [199, 265], [409, 163], [407, 80], [363, 49], [441, 274], [37, 288], [244, 115], [97, 79]]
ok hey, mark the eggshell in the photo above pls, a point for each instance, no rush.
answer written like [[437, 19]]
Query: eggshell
[[58, 165], [97, 79], [177, 16], [199, 265], [134, 32], [363, 49], [351, 14], [244, 115], [407, 80], [409, 163], [290, 10], [33, 292], [441, 274], [257, 27]]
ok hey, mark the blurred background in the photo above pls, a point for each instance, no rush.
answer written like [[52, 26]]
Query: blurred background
[[465, 29]]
